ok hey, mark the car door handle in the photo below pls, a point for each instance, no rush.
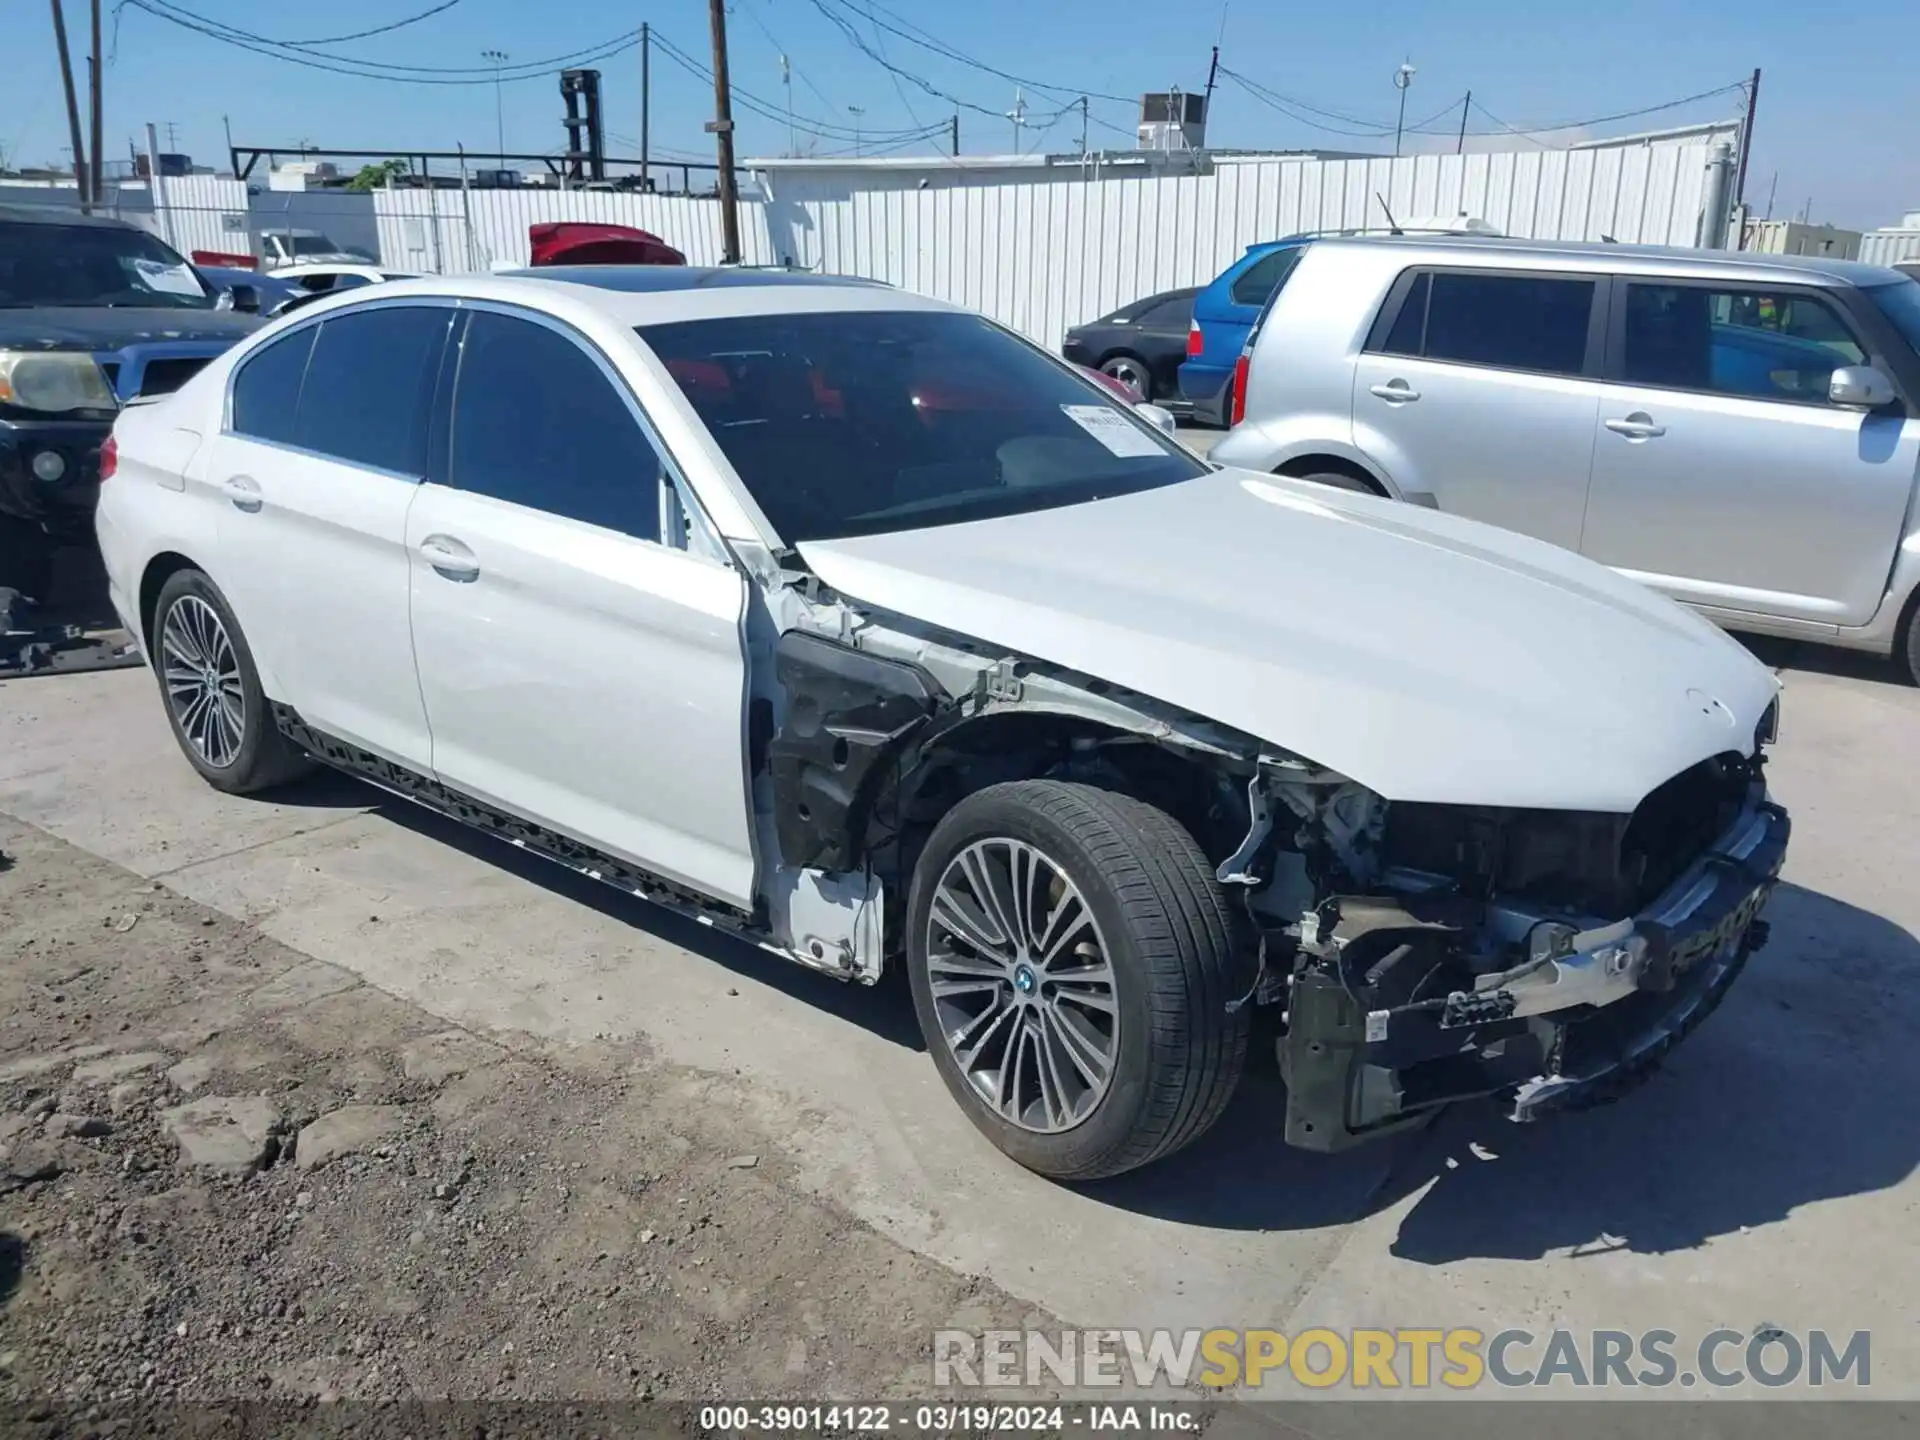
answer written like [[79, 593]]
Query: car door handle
[[1396, 392], [1637, 426], [449, 558], [244, 492]]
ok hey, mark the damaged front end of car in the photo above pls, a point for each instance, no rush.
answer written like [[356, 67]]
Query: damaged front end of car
[[1417, 953], [1547, 959]]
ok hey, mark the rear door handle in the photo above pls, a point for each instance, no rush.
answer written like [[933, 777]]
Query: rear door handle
[[244, 492], [1395, 392], [1637, 426], [449, 558]]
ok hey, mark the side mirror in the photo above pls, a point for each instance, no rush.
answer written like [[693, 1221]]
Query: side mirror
[[244, 298], [1859, 387], [1158, 418]]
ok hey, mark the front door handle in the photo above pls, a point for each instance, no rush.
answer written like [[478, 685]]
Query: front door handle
[[1637, 426], [244, 492], [1396, 392], [449, 558]]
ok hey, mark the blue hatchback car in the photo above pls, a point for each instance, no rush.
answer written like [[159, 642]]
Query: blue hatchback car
[[1224, 313]]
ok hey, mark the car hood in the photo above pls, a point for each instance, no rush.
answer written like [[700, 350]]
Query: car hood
[[1427, 657], [109, 327]]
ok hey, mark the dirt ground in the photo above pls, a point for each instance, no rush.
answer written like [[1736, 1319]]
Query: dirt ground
[[485, 1220]]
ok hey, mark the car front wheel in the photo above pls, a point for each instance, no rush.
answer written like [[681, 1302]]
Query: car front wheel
[[212, 690], [1073, 961]]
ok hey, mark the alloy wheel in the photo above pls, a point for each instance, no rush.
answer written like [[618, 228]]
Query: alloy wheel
[[201, 674], [1022, 985]]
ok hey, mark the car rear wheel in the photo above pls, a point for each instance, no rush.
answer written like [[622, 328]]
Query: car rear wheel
[[1132, 373], [212, 690], [1906, 646], [1072, 960]]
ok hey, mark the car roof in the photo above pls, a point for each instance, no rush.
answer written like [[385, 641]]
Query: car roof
[[638, 295], [1738, 265], [57, 215], [652, 279]]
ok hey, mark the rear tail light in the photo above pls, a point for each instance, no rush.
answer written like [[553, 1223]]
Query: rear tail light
[[1238, 411], [1195, 344], [109, 457]]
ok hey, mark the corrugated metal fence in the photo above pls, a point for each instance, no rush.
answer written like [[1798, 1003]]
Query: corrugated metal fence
[[1045, 253], [1041, 249], [1890, 247]]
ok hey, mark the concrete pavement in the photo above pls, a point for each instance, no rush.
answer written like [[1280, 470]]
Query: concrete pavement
[[1766, 1177]]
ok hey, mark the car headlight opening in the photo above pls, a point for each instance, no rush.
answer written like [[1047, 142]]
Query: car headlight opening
[[53, 381]]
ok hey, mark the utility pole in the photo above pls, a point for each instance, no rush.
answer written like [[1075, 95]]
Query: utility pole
[[786, 85], [856, 111], [722, 127], [1402, 78], [1018, 115], [646, 99], [1213, 69], [498, 58], [1746, 137], [93, 117], [956, 132], [1083, 126], [73, 107], [1460, 145]]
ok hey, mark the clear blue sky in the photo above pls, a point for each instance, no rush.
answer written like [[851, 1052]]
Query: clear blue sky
[[1839, 106]]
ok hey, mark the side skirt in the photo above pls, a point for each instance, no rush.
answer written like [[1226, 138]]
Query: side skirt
[[575, 855]]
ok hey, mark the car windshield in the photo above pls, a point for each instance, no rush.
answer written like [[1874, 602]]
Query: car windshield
[[88, 265], [1900, 303], [311, 245], [854, 423]]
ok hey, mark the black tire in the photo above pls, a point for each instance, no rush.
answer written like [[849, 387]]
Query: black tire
[[1338, 481], [264, 757], [1906, 645], [1169, 939]]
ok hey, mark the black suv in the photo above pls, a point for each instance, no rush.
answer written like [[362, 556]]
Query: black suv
[[92, 313]]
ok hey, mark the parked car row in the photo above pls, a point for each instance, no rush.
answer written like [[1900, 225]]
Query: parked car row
[[1741, 432], [93, 313], [854, 625]]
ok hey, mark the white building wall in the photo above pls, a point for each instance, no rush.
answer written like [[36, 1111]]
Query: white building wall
[[1891, 246]]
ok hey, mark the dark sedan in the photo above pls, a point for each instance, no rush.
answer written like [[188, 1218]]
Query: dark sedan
[[1139, 345]]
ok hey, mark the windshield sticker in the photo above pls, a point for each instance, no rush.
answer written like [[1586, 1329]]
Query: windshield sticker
[[168, 279], [1113, 430]]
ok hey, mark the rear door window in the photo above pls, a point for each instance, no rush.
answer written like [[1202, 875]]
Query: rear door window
[[1517, 321], [266, 391], [368, 386], [537, 422], [1265, 276], [1761, 344]]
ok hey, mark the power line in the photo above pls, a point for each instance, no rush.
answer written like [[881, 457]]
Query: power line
[[926, 40], [1291, 107], [378, 29], [372, 69], [823, 129], [1738, 86]]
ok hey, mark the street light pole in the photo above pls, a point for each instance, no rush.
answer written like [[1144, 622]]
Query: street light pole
[[499, 58], [1402, 78]]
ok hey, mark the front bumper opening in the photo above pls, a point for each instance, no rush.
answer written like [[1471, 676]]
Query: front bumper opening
[[1576, 1031]]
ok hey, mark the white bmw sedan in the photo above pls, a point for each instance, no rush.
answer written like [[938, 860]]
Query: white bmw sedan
[[854, 624]]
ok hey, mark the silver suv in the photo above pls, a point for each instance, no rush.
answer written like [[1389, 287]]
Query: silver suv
[[1741, 432]]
